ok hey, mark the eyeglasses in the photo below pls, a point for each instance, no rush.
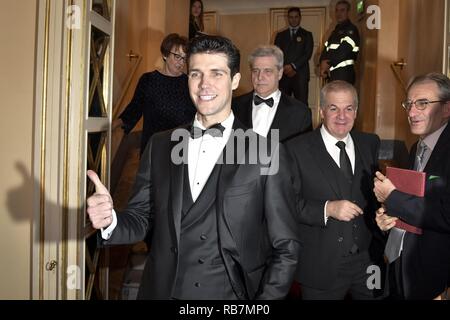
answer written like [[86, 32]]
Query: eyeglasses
[[178, 57], [420, 104]]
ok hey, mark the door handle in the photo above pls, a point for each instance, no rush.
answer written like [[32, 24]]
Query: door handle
[[394, 66], [132, 55], [401, 63], [51, 265]]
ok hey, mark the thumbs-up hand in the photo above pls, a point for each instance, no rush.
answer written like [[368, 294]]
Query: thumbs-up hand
[[100, 204]]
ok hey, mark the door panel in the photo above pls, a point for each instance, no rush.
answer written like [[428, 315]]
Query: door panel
[[313, 20], [72, 130]]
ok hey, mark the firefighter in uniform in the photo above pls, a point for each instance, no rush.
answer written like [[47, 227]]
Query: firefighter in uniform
[[340, 51]]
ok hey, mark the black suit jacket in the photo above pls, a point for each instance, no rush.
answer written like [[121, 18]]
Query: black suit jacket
[[317, 183], [292, 118], [258, 236], [426, 258], [298, 51]]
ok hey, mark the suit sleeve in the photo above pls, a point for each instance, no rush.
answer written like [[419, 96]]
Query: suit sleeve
[[136, 220], [429, 212], [134, 110], [283, 231], [348, 43], [307, 121], [309, 211], [277, 41], [324, 53], [302, 60]]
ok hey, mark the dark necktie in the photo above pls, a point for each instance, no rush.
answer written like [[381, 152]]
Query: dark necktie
[[293, 32], [258, 100], [214, 131], [344, 161]]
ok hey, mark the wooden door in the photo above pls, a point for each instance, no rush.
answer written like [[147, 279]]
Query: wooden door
[[313, 20]]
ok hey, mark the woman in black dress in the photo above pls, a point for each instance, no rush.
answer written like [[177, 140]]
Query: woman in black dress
[[161, 97]]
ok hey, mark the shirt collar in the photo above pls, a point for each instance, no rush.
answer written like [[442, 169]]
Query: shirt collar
[[227, 124], [330, 140], [431, 139]]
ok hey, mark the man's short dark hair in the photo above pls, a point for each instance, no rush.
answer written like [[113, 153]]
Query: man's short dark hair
[[216, 44], [345, 3], [295, 9], [171, 40]]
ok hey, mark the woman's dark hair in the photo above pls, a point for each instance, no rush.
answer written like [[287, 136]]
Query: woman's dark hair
[[216, 44], [171, 40], [199, 23]]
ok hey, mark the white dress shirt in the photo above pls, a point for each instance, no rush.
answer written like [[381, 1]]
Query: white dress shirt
[[263, 115], [334, 152], [203, 154]]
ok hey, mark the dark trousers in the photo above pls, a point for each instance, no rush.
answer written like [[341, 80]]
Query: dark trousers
[[351, 280], [296, 85], [395, 280]]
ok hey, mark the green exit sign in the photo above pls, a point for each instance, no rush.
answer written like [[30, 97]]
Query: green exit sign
[[360, 7]]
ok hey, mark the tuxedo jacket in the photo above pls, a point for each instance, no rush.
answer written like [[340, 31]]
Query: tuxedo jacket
[[297, 51], [257, 233], [318, 182], [425, 263], [292, 118]]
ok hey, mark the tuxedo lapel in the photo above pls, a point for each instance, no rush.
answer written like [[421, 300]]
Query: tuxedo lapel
[[281, 117], [362, 163], [362, 151], [249, 111], [176, 188], [242, 109], [324, 161], [282, 120]]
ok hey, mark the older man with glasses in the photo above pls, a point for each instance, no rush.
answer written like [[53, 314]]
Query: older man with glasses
[[421, 264]]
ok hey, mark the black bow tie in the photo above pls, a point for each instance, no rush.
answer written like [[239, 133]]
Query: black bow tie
[[258, 100], [214, 131]]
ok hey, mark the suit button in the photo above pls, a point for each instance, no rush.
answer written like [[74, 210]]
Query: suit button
[[201, 261], [173, 249], [340, 239], [203, 237], [197, 284], [355, 226]]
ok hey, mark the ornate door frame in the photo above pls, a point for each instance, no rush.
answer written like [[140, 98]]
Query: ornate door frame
[[73, 106]]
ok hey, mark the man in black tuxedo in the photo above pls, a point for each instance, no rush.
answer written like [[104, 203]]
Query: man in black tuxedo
[[266, 107], [335, 202], [297, 45], [421, 263], [218, 231]]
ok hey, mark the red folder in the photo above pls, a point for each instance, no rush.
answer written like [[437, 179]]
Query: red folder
[[410, 182]]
